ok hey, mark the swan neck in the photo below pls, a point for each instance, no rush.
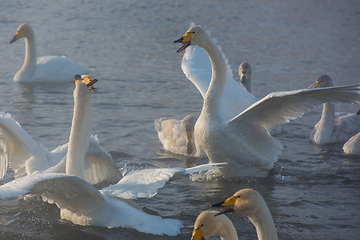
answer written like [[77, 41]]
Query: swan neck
[[212, 99], [264, 224], [229, 233], [30, 54], [327, 117], [79, 134]]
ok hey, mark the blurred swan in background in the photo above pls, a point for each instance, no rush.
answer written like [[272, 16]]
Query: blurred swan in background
[[44, 69], [333, 127], [245, 75]]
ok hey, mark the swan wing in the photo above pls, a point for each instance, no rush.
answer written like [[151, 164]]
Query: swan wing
[[19, 145], [280, 107], [4, 157], [83, 204], [99, 165], [196, 66], [145, 183]]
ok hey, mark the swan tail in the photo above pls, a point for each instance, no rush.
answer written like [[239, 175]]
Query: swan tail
[[171, 135]]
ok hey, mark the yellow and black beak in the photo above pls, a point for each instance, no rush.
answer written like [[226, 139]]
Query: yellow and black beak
[[87, 80], [16, 37], [185, 41], [197, 234], [227, 203]]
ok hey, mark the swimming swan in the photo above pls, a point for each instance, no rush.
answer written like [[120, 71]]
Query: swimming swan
[[44, 69], [333, 127], [208, 224], [250, 203], [25, 156], [177, 136], [243, 141], [82, 204], [352, 146]]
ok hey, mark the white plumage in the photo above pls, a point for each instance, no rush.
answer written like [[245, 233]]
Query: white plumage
[[44, 69]]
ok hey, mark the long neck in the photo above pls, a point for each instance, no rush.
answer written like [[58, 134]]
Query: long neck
[[212, 99], [264, 224], [79, 135], [30, 56], [326, 124]]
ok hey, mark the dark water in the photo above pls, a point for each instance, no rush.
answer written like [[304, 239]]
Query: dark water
[[129, 44]]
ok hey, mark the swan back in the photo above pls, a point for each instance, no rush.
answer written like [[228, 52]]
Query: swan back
[[209, 224], [245, 75]]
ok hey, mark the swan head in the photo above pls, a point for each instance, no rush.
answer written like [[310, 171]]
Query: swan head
[[245, 74], [86, 79], [246, 202], [208, 224], [194, 36], [323, 81], [23, 31]]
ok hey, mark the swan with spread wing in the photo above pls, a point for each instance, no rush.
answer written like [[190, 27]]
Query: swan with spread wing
[[242, 139]]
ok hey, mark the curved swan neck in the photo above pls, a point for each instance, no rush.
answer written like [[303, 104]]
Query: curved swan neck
[[264, 224], [30, 56], [228, 232], [212, 99], [80, 132]]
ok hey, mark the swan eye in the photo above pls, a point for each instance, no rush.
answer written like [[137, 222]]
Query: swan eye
[[202, 225]]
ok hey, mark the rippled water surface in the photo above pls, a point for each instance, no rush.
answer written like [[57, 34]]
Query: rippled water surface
[[129, 44]]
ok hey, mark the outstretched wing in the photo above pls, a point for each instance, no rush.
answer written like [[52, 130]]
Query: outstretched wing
[[281, 107], [145, 183], [17, 145]]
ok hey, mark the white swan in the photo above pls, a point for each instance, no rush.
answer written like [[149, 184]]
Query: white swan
[[333, 127], [208, 224], [44, 69], [250, 203], [177, 136], [352, 146], [243, 141], [82, 204], [25, 156]]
